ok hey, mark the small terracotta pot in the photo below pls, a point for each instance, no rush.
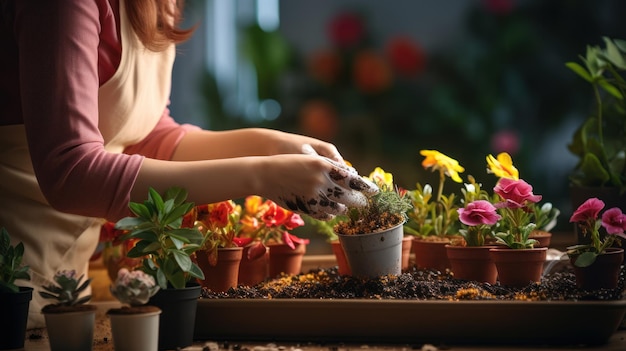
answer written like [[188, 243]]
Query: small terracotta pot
[[603, 273], [224, 275], [284, 259], [253, 271], [542, 237], [431, 254], [472, 263], [519, 267], [407, 244], [342, 262]]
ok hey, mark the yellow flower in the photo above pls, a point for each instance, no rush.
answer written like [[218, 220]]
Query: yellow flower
[[438, 161], [502, 167], [381, 178]]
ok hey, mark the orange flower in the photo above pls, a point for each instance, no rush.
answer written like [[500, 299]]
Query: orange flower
[[371, 73]]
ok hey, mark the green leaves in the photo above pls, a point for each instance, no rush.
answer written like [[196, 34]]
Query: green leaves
[[165, 246], [600, 142], [11, 268]]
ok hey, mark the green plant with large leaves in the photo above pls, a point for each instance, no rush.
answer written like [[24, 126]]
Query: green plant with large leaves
[[600, 142], [11, 268], [166, 246]]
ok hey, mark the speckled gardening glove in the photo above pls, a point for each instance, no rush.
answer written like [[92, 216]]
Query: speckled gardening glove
[[344, 188]]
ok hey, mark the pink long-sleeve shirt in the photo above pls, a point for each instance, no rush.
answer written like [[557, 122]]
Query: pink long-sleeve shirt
[[55, 55]]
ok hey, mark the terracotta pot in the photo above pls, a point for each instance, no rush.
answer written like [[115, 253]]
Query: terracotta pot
[[284, 259], [342, 262], [431, 254], [374, 254], [472, 263], [224, 275], [407, 244], [135, 328], [542, 237], [71, 331], [603, 273], [14, 317], [519, 267], [253, 271]]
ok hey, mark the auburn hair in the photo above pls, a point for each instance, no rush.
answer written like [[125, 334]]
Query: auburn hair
[[156, 22]]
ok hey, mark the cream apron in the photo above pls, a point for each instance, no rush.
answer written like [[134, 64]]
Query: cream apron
[[130, 105]]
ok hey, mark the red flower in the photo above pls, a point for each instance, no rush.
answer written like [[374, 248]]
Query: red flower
[[478, 212], [218, 216], [499, 7], [515, 193], [346, 30], [405, 56], [108, 233]]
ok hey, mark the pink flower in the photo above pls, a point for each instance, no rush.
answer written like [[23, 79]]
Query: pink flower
[[587, 211], [614, 221], [515, 193], [478, 212]]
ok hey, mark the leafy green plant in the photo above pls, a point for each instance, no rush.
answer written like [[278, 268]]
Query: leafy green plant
[[67, 289], [165, 246], [11, 268], [600, 142]]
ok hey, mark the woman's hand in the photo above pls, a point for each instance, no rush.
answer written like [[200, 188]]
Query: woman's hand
[[315, 185]]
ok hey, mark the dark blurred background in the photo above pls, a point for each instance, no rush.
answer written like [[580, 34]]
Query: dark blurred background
[[385, 79]]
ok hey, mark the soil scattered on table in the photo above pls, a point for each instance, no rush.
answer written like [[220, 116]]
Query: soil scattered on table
[[415, 284]]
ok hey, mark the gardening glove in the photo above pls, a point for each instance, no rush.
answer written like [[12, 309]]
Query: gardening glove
[[343, 188]]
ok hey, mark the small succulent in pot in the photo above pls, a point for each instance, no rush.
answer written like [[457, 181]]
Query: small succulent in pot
[[11, 268], [384, 210], [134, 288], [66, 292]]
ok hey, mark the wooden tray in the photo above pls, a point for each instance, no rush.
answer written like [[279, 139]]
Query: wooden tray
[[409, 321]]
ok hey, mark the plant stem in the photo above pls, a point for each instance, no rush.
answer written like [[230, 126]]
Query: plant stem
[[599, 105]]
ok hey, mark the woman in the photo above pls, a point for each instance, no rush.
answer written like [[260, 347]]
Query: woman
[[85, 129]]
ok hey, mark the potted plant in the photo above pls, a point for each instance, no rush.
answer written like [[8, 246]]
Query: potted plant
[[70, 321], [166, 248], [221, 252], [134, 326], [544, 216], [519, 263], [14, 299], [266, 224], [599, 142], [470, 257], [325, 228], [598, 264], [433, 220], [372, 236]]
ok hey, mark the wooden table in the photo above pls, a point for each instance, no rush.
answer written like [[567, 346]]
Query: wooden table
[[37, 341]]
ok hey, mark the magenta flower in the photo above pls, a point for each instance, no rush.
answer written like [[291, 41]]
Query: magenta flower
[[515, 193], [478, 212], [614, 221], [588, 210]]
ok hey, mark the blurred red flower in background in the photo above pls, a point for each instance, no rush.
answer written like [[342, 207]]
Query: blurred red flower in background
[[371, 72], [346, 30], [405, 56]]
